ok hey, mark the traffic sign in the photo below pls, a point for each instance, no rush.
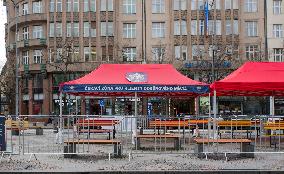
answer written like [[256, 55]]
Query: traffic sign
[[102, 103]]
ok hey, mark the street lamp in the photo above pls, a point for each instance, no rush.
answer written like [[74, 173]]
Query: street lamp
[[17, 62]]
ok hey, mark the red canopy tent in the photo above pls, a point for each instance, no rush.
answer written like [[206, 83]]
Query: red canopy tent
[[127, 79], [253, 79]]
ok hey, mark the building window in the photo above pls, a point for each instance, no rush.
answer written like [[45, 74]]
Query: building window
[[25, 8], [193, 27], [277, 6], [200, 5], [278, 53], [58, 55], [216, 4], [251, 28], [87, 54], [68, 5], [68, 29], [106, 5], [93, 29], [201, 27], [25, 33], [158, 29], [180, 27], [251, 5], [211, 27], [37, 56], [129, 6], [252, 52], [181, 52], [198, 51], [231, 4], [37, 32], [86, 29], [76, 32], [51, 5], [277, 30], [228, 4], [86, 6], [59, 5], [158, 54], [58, 29], [129, 54], [106, 28], [129, 30], [25, 57], [180, 4], [93, 5], [37, 7], [76, 6], [51, 29], [158, 6], [76, 54], [93, 54]]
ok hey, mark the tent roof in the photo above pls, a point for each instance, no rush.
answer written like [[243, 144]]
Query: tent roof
[[253, 79], [125, 79]]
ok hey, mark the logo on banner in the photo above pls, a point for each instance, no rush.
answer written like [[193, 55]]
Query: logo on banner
[[136, 77], [72, 87]]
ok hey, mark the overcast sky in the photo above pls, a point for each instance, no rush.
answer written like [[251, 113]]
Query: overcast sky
[[3, 20]]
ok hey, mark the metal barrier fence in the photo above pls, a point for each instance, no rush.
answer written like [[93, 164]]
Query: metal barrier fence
[[97, 135]]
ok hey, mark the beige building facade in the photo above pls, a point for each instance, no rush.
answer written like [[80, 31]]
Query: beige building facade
[[60, 40]]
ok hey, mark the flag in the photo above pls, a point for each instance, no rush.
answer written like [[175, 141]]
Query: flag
[[206, 15]]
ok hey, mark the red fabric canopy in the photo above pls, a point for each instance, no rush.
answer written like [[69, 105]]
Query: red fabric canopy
[[253, 79], [114, 76]]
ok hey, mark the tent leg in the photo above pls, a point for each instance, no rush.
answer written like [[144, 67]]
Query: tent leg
[[60, 136], [134, 133], [215, 115], [272, 110]]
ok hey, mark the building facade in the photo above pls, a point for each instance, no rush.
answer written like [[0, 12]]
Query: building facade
[[59, 40]]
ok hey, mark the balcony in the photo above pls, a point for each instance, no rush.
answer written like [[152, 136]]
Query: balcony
[[31, 43], [27, 19]]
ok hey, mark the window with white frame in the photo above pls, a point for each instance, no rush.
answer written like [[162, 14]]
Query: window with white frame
[[277, 7], [58, 29], [106, 5], [193, 4], [181, 52], [25, 8], [106, 28], [86, 29], [129, 6], [37, 56], [76, 6], [193, 27], [278, 54], [129, 54], [201, 27], [25, 33], [51, 5], [212, 24], [129, 30], [86, 6], [252, 52], [158, 53], [180, 4], [51, 29], [228, 4], [228, 27], [180, 27], [251, 28], [37, 7], [93, 54], [278, 30], [76, 32], [87, 54], [158, 6], [76, 54], [93, 5], [200, 5], [68, 29], [37, 31], [236, 27], [251, 5], [68, 5], [25, 55], [58, 55], [158, 29], [198, 51], [59, 5]]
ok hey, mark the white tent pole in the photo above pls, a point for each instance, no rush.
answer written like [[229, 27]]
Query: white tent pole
[[60, 119], [215, 113], [272, 110]]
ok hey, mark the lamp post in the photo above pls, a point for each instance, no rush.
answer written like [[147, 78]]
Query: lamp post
[[17, 62]]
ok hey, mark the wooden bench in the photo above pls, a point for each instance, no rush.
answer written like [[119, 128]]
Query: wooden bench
[[245, 145], [247, 131], [16, 126], [176, 138], [89, 131], [70, 147]]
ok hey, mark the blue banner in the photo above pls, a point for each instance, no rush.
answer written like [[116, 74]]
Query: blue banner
[[135, 88], [206, 13]]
